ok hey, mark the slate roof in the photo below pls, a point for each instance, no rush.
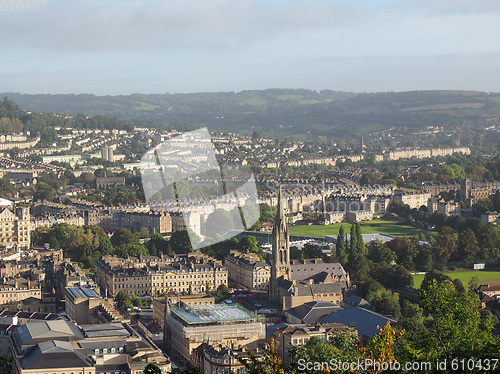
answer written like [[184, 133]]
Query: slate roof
[[89, 347], [54, 354], [105, 330], [364, 321], [312, 311], [37, 332], [314, 289], [356, 301], [271, 329]]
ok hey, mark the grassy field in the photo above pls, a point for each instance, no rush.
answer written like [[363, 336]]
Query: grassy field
[[388, 226], [485, 277]]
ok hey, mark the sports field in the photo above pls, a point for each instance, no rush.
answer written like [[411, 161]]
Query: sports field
[[388, 226], [485, 277]]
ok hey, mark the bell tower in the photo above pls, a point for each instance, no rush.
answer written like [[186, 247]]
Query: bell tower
[[280, 266]]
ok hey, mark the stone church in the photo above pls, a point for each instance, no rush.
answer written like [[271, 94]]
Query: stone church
[[294, 283]]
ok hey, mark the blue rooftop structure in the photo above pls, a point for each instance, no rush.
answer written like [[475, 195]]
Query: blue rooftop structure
[[80, 292], [209, 313], [364, 321]]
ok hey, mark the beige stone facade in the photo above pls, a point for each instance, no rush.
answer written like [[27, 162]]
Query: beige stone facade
[[14, 291], [154, 276], [15, 228], [248, 270], [414, 200], [296, 335], [220, 325]]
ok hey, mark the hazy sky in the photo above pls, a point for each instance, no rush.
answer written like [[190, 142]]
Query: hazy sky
[[152, 46]]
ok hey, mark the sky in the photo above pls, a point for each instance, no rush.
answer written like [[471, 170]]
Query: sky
[[112, 47]]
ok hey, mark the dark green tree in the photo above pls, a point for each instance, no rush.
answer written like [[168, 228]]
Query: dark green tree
[[151, 369]]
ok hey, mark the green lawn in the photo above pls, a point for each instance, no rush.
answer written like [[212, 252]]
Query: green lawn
[[388, 226], [486, 277]]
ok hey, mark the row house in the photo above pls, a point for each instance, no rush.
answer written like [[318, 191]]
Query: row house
[[152, 276]]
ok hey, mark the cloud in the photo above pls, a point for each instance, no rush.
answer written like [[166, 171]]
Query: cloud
[[138, 24], [179, 45]]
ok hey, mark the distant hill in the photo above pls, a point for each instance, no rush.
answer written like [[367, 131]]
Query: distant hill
[[292, 112]]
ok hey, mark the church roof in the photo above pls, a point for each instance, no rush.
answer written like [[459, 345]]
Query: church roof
[[306, 289], [312, 311]]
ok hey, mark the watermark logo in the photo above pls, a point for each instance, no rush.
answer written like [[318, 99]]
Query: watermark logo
[[214, 202]]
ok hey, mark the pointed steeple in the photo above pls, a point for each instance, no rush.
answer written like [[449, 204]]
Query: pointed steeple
[[280, 218], [280, 266]]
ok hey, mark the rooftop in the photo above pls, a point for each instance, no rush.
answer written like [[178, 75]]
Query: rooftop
[[210, 313], [81, 292]]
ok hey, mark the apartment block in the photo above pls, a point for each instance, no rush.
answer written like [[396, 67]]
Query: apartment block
[[248, 270], [414, 200], [152, 276], [15, 228], [59, 346], [221, 325], [14, 291]]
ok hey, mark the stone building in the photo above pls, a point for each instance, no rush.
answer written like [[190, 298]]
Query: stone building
[[210, 359], [154, 276], [248, 270], [290, 336], [218, 325], [58, 347], [14, 291], [414, 200], [15, 227], [289, 291]]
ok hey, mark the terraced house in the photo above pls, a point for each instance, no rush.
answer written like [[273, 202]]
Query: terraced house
[[152, 276], [15, 227]]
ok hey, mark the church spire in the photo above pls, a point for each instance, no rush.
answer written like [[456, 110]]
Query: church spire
[[280, 266]]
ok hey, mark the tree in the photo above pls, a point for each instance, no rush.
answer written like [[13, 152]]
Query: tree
[[43, 192], [180, 242], [295, 253], [340, 238], [358, 267], [482, 206], [467, 246], [249, 244], [158, 242], [221, 293], [123, 300], [405, 251], [312, 251], [434, 275], [340, 251], [352, 243], [151, 369], [218, 223], [445, 245], [489, 241], [123, 236], [424, 259], [453, 325], [360, 244], [368, 179], [381, 253]]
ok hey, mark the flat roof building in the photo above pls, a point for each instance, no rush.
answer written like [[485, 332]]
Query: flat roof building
[[218, 325]]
